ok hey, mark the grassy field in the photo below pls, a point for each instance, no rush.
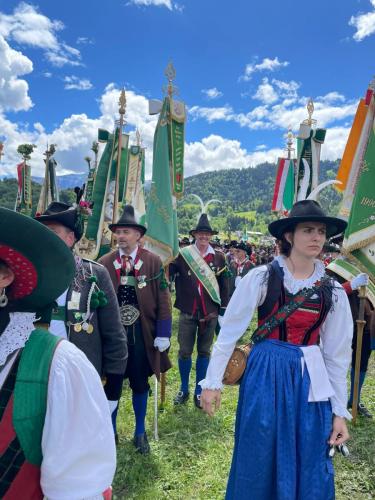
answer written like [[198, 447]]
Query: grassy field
[[191, 460]]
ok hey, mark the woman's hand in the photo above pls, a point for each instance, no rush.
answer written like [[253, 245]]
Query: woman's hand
[[210, 400], [339, 432]]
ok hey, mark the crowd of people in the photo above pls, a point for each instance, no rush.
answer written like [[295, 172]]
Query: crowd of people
[[72, 330]]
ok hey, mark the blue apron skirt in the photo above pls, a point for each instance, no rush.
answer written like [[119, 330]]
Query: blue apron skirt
[[281, 449]]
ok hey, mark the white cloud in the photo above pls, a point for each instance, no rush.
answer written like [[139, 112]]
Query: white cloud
[[364, 24], [266, 93], [13, 90], [157, 3], [75, 134], [335, 142], [75, 83], [217, 153], [266, 65], [332, 97], [211, 114], [28, 27], [287, 90], [213, 93], [84, 40], [281, 106], [47, 74]]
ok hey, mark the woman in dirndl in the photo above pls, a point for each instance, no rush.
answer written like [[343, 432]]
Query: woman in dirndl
[[293, 395]]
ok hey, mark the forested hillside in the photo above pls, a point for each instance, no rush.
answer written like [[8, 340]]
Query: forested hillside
[[245, 196], [8, 193]]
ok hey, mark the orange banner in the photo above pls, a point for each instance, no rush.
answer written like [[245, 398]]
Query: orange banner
[[351, 146]]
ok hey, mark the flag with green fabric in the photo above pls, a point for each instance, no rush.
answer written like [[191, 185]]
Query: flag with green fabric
[[161, 214], [359, 240]]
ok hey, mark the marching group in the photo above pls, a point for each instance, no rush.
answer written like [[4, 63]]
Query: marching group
[[72, 329]]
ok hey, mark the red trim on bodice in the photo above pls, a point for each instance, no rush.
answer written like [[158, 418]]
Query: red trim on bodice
[[298, 323]]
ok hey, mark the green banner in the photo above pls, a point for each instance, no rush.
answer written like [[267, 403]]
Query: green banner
[[348, 270], [360, 234], [288, 197], [161, 216], [177, 141]]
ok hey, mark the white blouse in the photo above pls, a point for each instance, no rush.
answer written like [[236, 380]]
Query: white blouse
[[79, 453], [327, 364]]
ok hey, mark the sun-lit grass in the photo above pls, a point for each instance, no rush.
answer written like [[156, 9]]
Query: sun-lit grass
[[191, 460]]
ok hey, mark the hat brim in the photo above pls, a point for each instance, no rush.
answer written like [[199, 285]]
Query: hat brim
[[334, 225], [64, 218], [202, 230], [138, 227], [47, 257]]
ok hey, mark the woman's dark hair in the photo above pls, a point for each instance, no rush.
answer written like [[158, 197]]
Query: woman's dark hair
[[284, 246]]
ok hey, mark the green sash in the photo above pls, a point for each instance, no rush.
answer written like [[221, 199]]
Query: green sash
[[348, 270], [202, 271], [30, 392]]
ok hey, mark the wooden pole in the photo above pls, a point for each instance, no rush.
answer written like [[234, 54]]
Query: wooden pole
[[163, 384], [122, 104], [360, 326]]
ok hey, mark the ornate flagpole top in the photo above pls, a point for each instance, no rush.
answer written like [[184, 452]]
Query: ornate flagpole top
[[138, 137], [122, 102], [310, 110], [289, 142], [170, 73]]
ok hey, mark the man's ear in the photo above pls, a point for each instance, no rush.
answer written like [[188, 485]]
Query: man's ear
[[6, 277]]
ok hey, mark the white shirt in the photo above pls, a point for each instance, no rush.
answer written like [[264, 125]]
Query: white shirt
[[79, 453], [207, 252], [57, 327], [133, 255], [334, 352]]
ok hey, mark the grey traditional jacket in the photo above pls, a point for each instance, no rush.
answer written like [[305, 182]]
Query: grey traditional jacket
[[106, 345]]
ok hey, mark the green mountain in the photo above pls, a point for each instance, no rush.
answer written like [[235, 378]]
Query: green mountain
[[8, 193], [245, 195]]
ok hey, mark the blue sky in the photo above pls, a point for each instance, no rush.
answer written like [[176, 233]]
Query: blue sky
[[245, 70]]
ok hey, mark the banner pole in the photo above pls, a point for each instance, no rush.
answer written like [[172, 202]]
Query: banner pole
[[360, 326], [156, 434]]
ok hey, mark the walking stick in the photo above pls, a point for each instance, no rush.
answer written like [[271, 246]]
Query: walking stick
[[360, 326], [163, 384], [156, 435]]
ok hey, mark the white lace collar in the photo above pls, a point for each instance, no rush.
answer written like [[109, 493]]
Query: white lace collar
[[15, 334], [292, 284]]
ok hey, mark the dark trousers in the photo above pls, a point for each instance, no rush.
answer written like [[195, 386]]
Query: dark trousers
[[138, 368], [189, 331]]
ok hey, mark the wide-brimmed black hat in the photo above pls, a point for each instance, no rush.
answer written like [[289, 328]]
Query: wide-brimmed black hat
[[128, 219], [306, 211], [42, 264], [64, 214], [203, 225]]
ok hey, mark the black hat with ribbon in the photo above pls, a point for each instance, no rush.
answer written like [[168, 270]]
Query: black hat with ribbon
[[128, 219], [243, 246], [64, 214], [306, 211], [203, 226]]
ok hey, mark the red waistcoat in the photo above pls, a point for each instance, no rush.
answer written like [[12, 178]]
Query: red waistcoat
[[19, 479]]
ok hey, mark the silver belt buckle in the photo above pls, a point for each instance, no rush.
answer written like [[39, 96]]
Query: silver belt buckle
[[129, 314]]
